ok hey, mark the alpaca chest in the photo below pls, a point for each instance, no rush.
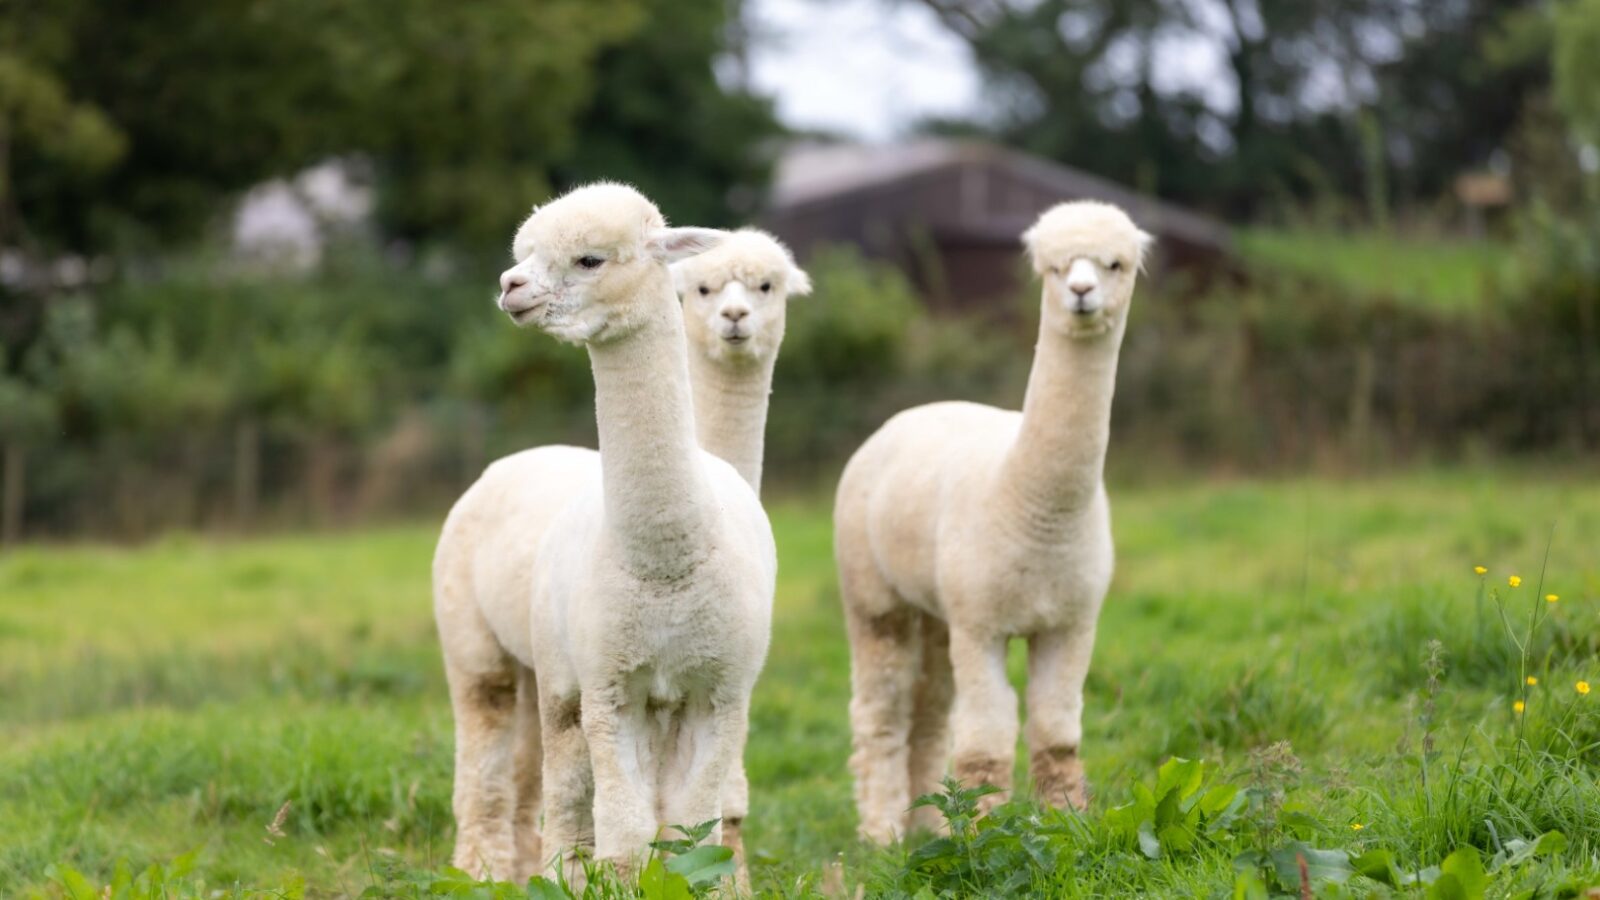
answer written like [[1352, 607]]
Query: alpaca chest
[[1018, 588], [692, 633]]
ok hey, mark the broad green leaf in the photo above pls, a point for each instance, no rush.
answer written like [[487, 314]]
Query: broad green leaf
[[1167, 811], [1378, 865], [1175, 838], [703, 864], [1180, 777], [1215, 801], [1461, 876], [1550, 843], [1321, 865], [656, 883]]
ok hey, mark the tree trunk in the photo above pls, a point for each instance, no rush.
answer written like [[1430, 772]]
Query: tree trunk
[[12, 496]]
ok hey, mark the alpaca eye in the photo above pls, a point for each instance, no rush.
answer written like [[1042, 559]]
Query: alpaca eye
[[766, 287], [705, 291], [1116, 265], [590, 262]]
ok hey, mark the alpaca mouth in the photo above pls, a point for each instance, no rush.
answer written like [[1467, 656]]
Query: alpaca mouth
[[524, 316], [736, 338]]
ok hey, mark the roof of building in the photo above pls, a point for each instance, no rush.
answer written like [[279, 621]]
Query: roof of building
[[813, 174]]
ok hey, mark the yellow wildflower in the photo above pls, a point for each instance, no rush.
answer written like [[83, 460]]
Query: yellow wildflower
[[1551, 598], [1582, 686], [1518, 707], [1514, 581], [1356, 826], [1480, 570], [1532, 681]]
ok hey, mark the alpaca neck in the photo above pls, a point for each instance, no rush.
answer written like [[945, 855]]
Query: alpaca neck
[[653, 481], [730, 407], [1054, 469]]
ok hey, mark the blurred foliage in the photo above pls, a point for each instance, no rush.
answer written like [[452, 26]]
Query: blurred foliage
[[1577, 64], [370, 387], [127, 125], [1366, 100]]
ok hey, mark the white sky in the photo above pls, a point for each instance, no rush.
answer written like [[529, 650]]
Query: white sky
[[868, 68], [872, 68]]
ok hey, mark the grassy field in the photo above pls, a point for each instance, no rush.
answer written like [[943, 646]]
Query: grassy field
[[172, 698]]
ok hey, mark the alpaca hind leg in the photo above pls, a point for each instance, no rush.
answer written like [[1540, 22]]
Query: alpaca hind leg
[[930, 720], [529, 767], [735, 807], [568, 788], [1058, 663], [884, 650], [484, 703], [985, 714]]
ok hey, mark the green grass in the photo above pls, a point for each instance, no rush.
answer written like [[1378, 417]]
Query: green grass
[[1444, 275], [170, 698]]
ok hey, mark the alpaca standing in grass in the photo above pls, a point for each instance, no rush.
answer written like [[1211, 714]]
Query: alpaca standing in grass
[[628, 659], [959, 526], [735, 300]]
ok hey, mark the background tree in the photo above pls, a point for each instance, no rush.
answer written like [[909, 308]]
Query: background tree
[[1320, 98]]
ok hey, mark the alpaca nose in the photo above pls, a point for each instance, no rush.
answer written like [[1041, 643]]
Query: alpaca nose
[[1080, 288], [510, 280], [734, 313]]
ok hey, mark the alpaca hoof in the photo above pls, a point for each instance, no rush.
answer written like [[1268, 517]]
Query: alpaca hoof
[[975, 771], [1058, 778], [733, 839]]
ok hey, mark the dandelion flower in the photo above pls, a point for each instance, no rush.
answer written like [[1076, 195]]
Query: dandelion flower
[[1518, 707], [1551, 598], [1532, 681], [1480, 570], [1582, 686], [1356, 826], [1514, 581]]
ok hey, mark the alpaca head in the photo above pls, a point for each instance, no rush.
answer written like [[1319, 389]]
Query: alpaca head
[[1087, 254], [734, 296], [590, 263]]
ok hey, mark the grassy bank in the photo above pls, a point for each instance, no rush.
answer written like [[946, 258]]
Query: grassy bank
[[171, 698]]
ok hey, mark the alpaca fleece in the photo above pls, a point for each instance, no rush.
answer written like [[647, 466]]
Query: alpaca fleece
[[959, 526], [603, 616]]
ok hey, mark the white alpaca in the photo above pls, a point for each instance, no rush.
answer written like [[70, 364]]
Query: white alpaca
[[629, 657], [959, 526], [735, 299]]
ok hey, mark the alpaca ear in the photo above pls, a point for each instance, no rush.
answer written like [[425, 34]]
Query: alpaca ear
[[680, 279], [799, 282], [1027, 243], [1145, 240], [669, 245]]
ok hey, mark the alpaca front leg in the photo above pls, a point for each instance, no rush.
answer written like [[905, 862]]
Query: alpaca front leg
[[1058, 663], [693, 786], [985, 720], [624, 796], [568, 787], [883, 673]]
